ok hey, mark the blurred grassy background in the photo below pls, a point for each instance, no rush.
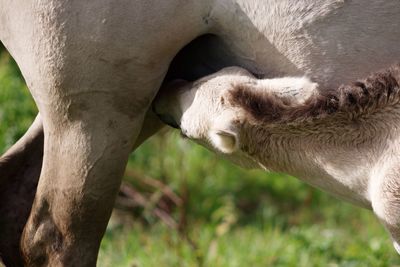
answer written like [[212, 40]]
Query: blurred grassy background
[[221, 215]]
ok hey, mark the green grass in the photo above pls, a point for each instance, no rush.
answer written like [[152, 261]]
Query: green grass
[[245, 245], [17, 109], [233, 217]]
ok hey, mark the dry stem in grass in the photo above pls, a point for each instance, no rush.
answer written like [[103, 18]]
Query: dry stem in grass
[[158, 200]]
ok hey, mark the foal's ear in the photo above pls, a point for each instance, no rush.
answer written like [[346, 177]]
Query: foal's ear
[[224, 134], [225, 141]]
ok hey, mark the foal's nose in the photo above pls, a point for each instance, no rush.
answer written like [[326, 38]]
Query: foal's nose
[[165, 105]]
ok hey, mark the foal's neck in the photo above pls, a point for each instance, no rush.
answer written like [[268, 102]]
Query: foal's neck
[[306, 149]]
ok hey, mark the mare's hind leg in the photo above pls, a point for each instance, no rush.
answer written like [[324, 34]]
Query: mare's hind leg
[[385, 197], [19, 174], [84, 158]]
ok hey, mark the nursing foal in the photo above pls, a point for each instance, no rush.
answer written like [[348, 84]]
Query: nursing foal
[[344, 141]]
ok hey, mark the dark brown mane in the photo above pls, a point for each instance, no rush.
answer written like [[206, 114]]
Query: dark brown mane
[[378, 90]]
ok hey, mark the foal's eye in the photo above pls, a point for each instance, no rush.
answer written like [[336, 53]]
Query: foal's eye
[[222, 100], [183, 135]]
